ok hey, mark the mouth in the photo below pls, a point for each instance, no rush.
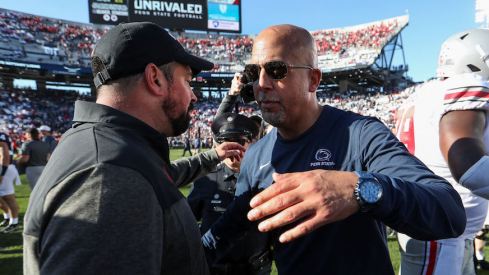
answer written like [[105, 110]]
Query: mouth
[[267, 104]]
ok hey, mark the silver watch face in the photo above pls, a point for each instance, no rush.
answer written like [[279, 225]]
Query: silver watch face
[[370, 192]]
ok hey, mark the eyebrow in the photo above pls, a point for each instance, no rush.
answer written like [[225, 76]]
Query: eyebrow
[[190, 72]]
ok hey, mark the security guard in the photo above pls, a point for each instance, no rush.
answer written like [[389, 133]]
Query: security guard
[[210, 196]]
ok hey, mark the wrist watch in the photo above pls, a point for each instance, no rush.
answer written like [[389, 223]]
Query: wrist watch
[[368, 191]]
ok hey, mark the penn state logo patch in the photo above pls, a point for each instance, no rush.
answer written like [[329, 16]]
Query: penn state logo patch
[[323, 155], [322, 158]]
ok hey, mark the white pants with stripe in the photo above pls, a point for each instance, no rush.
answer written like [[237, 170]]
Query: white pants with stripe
[[444, 257]]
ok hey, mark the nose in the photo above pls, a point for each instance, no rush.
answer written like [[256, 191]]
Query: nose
[[193, 98], [264, 82]]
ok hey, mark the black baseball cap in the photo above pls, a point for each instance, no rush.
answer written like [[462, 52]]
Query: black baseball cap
[[127, 48], [229, 125]]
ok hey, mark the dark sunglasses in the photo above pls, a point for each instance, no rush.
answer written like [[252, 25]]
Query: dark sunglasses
[[276, 70], [241, 141]]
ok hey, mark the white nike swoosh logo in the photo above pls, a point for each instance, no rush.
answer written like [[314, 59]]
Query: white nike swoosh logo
[[263, 165]]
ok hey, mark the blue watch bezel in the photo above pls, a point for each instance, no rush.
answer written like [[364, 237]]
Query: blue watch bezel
[[365, 177]]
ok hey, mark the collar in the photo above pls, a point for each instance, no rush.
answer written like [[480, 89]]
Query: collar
[[90, 112], [228, 173]]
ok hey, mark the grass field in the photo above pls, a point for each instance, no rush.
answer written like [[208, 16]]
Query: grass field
[[11, 244]]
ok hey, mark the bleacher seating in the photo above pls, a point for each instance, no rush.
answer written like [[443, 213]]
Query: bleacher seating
[[40, 40], [356, 46], [31, 38], [21, 109]]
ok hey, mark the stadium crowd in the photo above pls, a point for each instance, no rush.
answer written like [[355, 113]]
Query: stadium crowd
[[71, 43], [336, 41], [32, 38], [25, 108]]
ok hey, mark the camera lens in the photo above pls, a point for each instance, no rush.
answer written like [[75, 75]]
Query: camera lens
[[247, 94]]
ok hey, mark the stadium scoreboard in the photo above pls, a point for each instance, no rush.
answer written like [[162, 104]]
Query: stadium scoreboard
[[200, 15]]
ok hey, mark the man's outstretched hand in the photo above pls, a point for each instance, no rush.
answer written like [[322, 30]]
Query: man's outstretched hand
[[320, 195]]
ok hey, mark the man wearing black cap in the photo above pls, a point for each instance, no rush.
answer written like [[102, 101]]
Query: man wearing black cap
[[210, 196], [113, 166]]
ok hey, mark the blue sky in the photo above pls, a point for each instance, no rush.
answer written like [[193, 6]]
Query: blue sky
[[431, 22]]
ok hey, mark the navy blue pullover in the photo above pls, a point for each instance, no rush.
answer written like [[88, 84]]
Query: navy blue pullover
[[416, 201]]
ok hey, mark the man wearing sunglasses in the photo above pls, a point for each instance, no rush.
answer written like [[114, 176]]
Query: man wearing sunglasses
[[325, 182], [211, 195]]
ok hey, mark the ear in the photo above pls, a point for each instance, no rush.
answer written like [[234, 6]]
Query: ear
[[155, 80], [315, 79]]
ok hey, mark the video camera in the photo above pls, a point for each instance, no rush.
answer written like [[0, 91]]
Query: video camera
[[246, 92]]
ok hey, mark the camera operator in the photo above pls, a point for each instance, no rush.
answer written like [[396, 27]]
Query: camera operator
[[241, 88]]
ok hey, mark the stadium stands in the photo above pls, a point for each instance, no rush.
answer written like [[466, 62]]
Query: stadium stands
[[21, 109], [48, 46], [61, 49], [356, 46]]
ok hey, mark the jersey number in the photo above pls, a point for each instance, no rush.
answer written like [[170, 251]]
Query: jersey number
[[405, 127]]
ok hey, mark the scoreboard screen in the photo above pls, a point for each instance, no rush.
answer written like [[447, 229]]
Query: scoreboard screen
[[108, 12], [200, 15]]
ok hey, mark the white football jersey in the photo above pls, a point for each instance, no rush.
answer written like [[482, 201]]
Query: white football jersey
[[417, 126]]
